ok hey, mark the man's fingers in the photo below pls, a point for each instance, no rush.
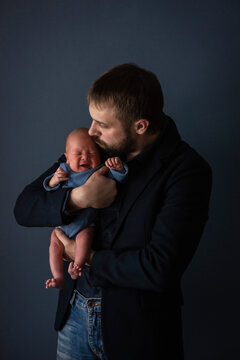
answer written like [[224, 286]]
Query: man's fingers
[[102, 171], [69, 245], [61, 235]]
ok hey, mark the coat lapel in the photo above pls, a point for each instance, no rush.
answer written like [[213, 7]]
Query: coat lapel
[[151, 161]]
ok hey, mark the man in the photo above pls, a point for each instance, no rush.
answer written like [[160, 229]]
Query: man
[[148, 230]]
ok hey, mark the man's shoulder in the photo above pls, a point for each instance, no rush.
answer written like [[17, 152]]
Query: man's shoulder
[[193, 155], [186, 157], [173, 147]]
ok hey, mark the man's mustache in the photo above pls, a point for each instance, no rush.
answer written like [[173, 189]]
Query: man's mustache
[[97, 140]]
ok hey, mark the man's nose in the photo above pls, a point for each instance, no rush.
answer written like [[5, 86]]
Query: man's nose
[[93, 130]]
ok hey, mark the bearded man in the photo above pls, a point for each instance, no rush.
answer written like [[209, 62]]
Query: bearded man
[[127, 303]]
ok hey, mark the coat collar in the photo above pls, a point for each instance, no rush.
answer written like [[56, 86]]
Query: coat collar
[[146, 165]]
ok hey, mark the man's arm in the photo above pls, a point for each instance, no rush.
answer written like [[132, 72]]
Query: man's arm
[[37, 207]]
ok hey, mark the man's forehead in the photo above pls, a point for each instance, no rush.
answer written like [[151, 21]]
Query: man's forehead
[[100, 105], [102, 109]]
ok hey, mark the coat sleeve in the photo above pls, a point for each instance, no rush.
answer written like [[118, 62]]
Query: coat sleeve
[[37, 207], [178, 226]]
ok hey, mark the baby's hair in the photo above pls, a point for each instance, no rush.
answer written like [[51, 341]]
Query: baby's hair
[[76, 132]]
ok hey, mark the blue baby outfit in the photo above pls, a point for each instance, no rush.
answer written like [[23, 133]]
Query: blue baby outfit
[[85, 217]]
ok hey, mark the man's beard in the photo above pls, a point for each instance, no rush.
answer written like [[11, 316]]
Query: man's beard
[[123, 149]]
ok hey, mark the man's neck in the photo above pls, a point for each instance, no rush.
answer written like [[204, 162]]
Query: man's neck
[[141, 143]]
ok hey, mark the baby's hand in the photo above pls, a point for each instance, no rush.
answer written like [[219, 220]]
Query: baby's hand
[[59, 176], [115, 163]]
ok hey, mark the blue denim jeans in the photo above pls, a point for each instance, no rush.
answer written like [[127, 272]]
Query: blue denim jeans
[[81, 336]]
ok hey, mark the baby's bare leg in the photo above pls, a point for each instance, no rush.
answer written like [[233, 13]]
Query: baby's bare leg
[[83, 247], [56, 250], [115, 163]]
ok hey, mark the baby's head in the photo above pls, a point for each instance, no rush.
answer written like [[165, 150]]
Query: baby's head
[[81, 151]]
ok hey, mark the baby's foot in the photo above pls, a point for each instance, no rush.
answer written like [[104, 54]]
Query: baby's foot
[[115, 163], [55, 283], [74, 270]]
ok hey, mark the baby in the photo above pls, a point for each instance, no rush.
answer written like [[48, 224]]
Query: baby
[[83, 159]]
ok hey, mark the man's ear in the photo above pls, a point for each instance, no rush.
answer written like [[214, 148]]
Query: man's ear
[[141, 126], [66, 155]]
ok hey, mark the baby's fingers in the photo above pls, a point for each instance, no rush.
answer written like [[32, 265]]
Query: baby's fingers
[[60, 171], [62, 178], [109, 163], [116, 161]]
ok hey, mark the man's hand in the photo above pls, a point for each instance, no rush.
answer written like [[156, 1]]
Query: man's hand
[[69, 245], [59, 176], [98, 192]]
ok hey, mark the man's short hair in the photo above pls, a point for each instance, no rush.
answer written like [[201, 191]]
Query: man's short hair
[[135, 93]]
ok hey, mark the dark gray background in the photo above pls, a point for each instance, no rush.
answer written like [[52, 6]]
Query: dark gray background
[[50, 53]]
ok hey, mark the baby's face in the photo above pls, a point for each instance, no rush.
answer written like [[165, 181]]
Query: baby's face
[[82, 153]]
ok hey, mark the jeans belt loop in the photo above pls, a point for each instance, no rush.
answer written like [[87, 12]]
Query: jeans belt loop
[[73, 298]]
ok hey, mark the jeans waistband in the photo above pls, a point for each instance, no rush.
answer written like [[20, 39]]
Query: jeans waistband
[[86, 303]]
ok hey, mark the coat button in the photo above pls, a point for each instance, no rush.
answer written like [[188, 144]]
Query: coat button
[[91, 303]]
